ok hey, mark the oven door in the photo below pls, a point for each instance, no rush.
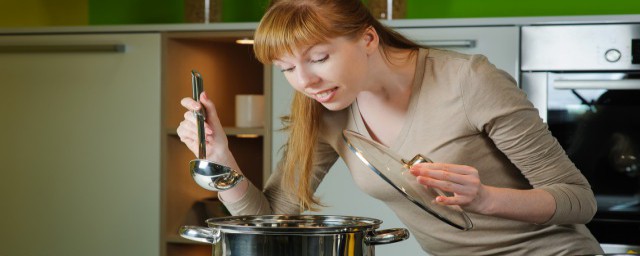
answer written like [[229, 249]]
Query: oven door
[[596, 119]]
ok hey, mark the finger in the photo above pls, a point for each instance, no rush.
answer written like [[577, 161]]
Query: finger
[[439, 174], [186, 135], [189, 130], [188, 126], [443, 185], [451, 200], [191, 118], [455, 168], [190, 104], [212, 115], [188, 138]]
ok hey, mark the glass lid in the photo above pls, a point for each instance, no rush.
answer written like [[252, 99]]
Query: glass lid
[[395, 171]]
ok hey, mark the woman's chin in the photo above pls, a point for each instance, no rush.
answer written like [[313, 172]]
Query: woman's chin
[[335, 106]]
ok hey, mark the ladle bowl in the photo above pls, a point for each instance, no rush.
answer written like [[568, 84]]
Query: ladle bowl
[[213, 176]]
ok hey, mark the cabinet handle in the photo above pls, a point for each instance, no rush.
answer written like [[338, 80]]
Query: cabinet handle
[[625, 84], [67, 48], [448, 43]]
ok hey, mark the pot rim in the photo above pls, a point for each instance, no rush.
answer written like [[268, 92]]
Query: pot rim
[[293, 224]]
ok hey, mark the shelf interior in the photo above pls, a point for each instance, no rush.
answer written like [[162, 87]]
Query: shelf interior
[[227, 69]]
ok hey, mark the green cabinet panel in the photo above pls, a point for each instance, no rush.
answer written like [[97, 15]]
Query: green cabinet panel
[[172, 11], [501, 8]]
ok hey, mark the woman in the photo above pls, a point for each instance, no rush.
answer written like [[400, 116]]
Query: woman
[[493, 151]]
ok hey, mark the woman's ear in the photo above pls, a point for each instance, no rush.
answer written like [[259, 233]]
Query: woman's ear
[[371, 40]]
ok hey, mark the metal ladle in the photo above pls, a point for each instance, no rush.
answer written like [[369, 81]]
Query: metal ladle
[[208, 174]]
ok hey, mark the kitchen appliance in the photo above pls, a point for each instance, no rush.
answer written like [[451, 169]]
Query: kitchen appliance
[[208, 174], [282, 235], [585, 82]]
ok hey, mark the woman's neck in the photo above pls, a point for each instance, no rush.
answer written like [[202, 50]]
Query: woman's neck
[[384, 107], [391, 78]]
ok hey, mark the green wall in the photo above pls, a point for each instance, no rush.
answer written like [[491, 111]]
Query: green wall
[[103, 12], [42, 13], [31, 13], [506, 8], [172, 11], [166, 11]]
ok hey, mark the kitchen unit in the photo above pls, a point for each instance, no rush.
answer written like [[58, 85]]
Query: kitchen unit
[[112, 114], [584, 80], [499, 44], [79, 144], [90, 154]]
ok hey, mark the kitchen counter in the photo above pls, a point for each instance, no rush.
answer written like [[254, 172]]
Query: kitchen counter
[[408, 23]]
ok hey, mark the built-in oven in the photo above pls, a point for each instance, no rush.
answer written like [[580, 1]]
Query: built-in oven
[[585, 82]]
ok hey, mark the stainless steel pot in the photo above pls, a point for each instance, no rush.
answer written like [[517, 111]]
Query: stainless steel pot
[[283, 235]]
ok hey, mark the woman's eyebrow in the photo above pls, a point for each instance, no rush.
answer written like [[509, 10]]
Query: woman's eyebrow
[[308, 49]]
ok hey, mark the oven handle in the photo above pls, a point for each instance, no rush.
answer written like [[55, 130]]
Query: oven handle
[[448, 43], [625, 84]]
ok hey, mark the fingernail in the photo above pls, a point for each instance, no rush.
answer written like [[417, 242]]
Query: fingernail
[[204, 96]]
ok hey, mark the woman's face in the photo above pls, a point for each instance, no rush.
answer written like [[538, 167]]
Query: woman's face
[[332, 73]]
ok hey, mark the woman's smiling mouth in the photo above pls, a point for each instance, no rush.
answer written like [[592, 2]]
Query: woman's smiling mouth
[[325, 96]]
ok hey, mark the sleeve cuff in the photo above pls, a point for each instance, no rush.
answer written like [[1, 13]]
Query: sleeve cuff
[[251, 203]]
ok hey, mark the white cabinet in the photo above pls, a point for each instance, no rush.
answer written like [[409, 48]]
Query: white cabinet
[[500, 44], [80, 144]]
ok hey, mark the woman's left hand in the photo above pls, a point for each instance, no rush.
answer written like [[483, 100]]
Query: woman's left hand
[[461, 180]]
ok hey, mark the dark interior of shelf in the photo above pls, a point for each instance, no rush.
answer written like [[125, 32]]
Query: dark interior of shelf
[[227, 69]]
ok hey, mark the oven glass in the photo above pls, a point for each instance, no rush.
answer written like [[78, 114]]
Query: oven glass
[[600, 131]]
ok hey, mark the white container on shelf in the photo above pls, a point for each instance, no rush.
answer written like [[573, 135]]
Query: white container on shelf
[[249, 110]]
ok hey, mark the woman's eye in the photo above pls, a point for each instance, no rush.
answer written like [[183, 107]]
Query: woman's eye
[[320, 60], [286, 70]]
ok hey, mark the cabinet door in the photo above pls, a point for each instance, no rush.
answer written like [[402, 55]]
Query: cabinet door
[[80, 144], [499, 44]]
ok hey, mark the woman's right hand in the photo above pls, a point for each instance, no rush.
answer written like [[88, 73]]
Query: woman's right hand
[[217, 145]]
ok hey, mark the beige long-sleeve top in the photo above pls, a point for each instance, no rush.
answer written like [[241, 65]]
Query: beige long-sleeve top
[[463, 110]]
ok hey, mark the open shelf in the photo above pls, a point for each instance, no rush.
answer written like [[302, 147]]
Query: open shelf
[[227, 69]]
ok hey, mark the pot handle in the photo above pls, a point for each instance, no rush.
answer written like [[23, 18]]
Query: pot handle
[[200, 234], [386, 236]]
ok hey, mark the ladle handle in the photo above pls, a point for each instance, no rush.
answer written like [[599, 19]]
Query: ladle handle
[[197, 89]]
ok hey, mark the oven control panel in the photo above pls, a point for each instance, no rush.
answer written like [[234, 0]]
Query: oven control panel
[[580, 47]]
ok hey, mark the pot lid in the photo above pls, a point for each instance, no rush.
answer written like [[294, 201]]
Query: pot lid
[[293, 224], [395, 170]]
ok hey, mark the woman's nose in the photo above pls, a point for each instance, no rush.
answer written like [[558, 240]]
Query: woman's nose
[[306, 78]]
